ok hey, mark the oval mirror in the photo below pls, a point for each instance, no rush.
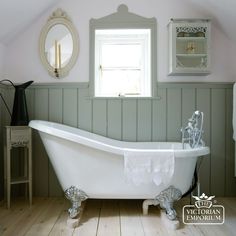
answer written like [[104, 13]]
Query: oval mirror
[[58, 45]]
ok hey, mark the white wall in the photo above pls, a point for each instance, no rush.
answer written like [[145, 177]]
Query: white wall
[[23, 62]]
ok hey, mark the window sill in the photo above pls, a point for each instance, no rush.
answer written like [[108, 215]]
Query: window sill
[[125, 98]]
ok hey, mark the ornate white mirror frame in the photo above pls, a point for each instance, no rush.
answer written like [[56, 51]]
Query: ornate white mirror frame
[[59, 17]]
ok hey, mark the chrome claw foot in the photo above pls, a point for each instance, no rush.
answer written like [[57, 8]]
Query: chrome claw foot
[[76, 196], [170, 212], [166, 199]]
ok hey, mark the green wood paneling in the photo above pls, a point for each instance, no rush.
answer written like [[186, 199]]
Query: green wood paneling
[[144, 120], [129, 117], [30, 102], [55, 115], [2, 123], [84, 110], [140, 119], [41, 104], [188, 104], [204, 105], [218, 142], [159, 113], [56, 105], [40, 160], [200, 85], [100, 117], [114, 116], [70, 107], [174, 108], [9, 97], [230, 183]]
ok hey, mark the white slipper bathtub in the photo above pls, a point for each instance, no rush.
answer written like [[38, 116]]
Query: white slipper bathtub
[[95, 164]]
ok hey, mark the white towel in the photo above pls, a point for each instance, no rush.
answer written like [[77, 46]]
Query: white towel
[[148, 166], [234, 112]]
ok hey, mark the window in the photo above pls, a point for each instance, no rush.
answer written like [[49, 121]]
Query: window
[[122, 62], [123, 52]]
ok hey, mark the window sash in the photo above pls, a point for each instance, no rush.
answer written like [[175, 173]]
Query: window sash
[[144, 66]]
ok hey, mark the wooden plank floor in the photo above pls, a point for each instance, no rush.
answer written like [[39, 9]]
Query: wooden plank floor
[[48, 216]]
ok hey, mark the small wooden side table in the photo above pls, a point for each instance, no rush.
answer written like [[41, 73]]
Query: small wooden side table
[[18, 136]]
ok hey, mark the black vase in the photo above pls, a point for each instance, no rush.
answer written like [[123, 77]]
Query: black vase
[[20, 113]]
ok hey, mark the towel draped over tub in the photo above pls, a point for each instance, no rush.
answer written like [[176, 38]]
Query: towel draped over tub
[[149, 166]]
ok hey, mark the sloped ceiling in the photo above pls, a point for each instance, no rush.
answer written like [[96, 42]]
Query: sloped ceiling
[[16, 15], [223, 12]]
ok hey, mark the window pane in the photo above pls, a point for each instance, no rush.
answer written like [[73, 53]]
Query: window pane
[[122, 62], [120, 82], [121, 55]]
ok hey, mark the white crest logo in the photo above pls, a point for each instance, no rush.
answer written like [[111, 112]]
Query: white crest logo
[[203, 201], [203, 211]]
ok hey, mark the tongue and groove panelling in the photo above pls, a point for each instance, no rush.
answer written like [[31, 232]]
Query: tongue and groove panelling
[[140, 119]]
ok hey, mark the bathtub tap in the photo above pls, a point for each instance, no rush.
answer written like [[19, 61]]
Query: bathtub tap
[[192, 133]]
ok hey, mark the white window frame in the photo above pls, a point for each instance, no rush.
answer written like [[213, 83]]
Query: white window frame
[[123, 19], [125, 37]]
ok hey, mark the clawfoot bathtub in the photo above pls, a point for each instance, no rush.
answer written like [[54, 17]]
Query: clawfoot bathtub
[[92, 166]]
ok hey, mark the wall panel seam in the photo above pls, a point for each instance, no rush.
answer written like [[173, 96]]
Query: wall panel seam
[[181, 107], [166, 114], [137, 123], [63, 91], [122, 120], [226, 118], [77, 100], [210, 139], [92, 118], [151, 107], [106, 118]]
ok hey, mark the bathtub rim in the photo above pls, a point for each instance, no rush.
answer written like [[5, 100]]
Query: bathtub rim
[[107, 144]]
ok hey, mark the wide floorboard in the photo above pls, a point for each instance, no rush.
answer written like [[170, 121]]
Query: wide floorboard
[[48, 216]]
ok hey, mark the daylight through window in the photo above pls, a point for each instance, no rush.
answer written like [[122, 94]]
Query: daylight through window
[[122, 63]]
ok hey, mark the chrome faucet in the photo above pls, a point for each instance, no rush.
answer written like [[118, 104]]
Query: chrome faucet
[[192, 133]]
